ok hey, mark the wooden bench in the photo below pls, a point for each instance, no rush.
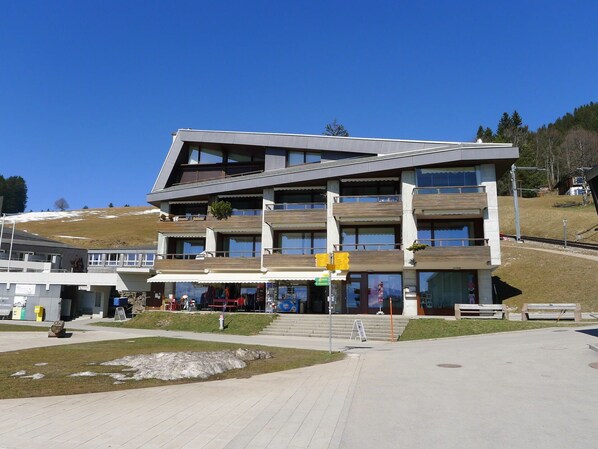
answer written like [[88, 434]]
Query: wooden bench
[[481, 311], [232, 304], [541, 311]]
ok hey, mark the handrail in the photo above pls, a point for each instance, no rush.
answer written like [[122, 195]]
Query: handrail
[[295, 206], [367, 246], [246, 212], [452, 242], [185, 217], [368, 199], [208, 254], [449, 189], [300, 251]]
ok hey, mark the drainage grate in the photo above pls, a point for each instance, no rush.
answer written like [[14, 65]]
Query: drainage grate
[[448, 365]]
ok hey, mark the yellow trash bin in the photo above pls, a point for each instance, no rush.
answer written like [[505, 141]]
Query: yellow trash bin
[[39, 313]]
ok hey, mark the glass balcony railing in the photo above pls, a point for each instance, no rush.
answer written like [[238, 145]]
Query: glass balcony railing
[[367, 246], [449, 190], [295, 251], [368, 199], [453, 242], [295, 206]]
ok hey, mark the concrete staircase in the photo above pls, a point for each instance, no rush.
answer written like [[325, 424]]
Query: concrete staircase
[[377, 327]]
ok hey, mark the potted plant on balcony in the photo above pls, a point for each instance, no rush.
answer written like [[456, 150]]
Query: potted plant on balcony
[[415, 247], [221, 210]]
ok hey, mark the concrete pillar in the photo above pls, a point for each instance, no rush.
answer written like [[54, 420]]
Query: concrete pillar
[[491, 223], [485, 286], [332, 226], [267, 234]]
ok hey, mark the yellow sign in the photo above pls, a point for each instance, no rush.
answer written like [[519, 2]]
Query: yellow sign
[[341, 261], [322, 260]]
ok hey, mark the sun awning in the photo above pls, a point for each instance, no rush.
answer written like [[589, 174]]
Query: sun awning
[[301, 275], [210, 278]]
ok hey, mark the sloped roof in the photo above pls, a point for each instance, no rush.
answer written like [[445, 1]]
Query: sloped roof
[[386, 154]]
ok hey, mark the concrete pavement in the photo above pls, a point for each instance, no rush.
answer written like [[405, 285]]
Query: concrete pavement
[[514, 390]]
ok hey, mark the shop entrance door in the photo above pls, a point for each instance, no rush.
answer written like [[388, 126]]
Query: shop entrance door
[[353, 294]]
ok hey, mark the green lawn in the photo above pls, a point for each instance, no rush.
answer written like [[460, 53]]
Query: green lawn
[[61, 361], [422, 329], [9, 327], [235, 323]]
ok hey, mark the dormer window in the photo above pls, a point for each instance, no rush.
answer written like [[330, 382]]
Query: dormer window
[[302, 157], [204, 156]]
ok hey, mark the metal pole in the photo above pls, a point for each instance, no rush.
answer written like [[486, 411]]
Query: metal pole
[[565, 231], [12, 238], [515, 203], [329, 312]]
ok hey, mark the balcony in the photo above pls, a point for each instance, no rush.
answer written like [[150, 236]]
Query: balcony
[[453, 254], [242, 219], [291, 258], [193, 173], [368, 208], [209, 261], [296, 215], [374, 256], [443, 202]]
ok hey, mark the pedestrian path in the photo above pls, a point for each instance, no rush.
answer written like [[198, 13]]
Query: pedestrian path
[[510, 390]]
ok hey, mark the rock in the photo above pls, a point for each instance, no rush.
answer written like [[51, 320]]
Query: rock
[[57, 329]]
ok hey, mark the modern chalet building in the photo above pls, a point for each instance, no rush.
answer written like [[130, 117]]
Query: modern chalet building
[[294, 196]]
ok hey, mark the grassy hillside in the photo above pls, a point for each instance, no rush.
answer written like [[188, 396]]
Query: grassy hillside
[[96, 228], [539, 217], [528, 275]]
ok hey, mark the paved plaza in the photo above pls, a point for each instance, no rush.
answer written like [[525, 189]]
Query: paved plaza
[[527, 389]]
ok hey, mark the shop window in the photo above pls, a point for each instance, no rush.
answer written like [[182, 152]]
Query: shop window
[[444, 289]]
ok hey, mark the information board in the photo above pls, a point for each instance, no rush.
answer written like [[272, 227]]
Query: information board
[[119, 314]]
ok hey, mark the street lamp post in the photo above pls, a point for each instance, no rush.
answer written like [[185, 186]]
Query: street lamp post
[[565, 231]]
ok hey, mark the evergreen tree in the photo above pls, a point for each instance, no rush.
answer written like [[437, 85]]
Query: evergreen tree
[[335, 129], [14, 191]]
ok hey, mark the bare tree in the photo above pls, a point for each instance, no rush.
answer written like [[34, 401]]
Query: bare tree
[[61, 204]]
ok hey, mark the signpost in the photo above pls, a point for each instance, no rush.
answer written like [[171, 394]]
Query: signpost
[[332, 262]]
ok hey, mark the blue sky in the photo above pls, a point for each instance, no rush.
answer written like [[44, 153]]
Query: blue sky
[[90, 91]]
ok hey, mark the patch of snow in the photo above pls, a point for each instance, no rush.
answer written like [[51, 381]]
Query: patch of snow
[[185, 365], [36, 376], [41, 364], [72, 237], [154, 210], [84, 374], [42, 216], [19, 373], [109, 216]]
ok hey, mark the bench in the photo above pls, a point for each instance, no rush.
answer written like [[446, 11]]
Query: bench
[[232, 304], [481, 311], [563, 311]]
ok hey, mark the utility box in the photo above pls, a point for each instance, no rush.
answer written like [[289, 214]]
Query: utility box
[[39, 313]]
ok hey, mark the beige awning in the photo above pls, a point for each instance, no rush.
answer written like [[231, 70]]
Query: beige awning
[[210, 278], [301, 276]]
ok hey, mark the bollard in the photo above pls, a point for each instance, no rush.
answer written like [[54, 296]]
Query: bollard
[[221, 319]]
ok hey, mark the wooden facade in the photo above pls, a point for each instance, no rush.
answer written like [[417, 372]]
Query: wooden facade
[[289, 261], [451, 257], [466, 205], [306, 218], [382, 261], [365, 211], [198, 225], [208, 263]]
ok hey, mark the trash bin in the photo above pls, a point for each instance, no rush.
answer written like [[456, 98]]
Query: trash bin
[[39, 313]]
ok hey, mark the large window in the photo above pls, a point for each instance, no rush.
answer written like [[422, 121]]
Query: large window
[[242, 245], [130, 259], [368, 238], [444, 289], [190, 248], [302, 242], [351, 192], [300, 200], [446, 233], [246, 206], [94, 259], [383, 288], [204, 156], [446, 177], [302, 157]]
